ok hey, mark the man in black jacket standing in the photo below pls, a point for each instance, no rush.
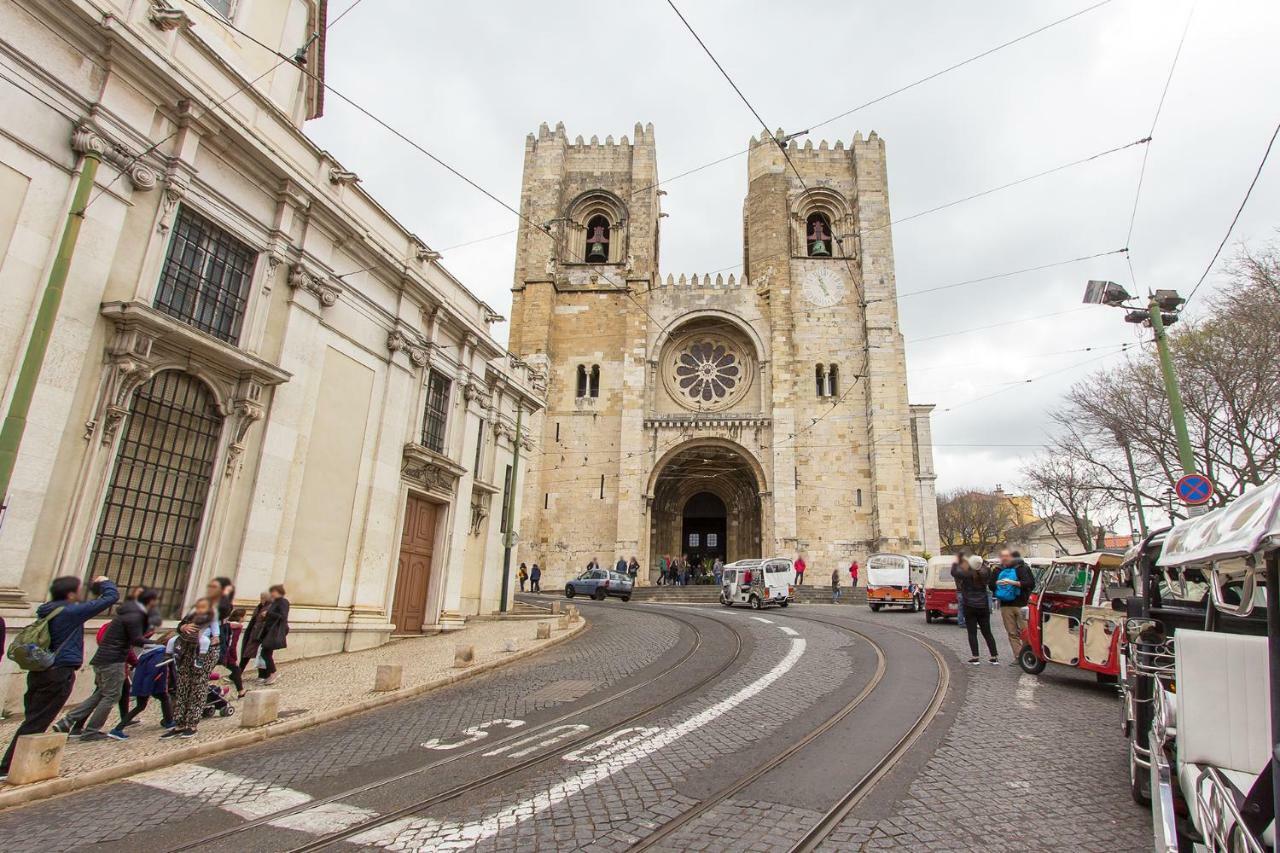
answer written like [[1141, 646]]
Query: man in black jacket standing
[[1011, 608], [124, 633]]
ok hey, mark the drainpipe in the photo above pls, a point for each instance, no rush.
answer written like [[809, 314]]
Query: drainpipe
[[15, 421], [509, 537]]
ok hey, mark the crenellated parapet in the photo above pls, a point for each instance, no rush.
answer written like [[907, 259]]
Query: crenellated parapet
[[703, 282]]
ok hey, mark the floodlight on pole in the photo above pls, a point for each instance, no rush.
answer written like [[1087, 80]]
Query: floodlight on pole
[[1105, 293]]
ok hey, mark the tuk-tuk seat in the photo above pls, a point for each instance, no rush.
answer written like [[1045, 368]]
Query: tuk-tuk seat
[[1223, 710]]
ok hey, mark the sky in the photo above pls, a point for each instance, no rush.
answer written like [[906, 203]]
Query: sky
[[469, 81]]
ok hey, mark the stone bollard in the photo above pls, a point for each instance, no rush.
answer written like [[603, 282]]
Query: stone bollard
[[555, 607], [544, 630], [563, 622], [464, 656], [388, 676], [37, 758], [574, 615], [259, 708], [511, 645]]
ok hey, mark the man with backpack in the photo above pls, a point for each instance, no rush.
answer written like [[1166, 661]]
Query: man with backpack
[[51, 649], [1013, 586]]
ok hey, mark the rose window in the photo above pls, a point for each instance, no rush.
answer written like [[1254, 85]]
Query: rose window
[[707, 371]]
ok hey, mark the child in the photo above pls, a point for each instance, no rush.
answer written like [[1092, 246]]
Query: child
[[195, 650]]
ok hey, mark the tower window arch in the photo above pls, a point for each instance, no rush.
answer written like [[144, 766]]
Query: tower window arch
[[582, 381], [597, 240], [594, 381], [833, 380], [820, 379], [818, 239]]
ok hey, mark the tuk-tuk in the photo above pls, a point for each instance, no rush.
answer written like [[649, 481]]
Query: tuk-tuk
[[940, 601], [758, 583], [1072, 619], [896, 580], [1211, 689]]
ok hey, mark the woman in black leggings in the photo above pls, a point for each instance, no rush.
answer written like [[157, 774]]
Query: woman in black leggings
[[972, 578]]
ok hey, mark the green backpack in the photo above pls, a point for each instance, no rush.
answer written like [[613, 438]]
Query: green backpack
[[30, 648]]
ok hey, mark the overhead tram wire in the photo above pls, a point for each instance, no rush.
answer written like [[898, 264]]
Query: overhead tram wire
[[1235, 219], [221, 102]]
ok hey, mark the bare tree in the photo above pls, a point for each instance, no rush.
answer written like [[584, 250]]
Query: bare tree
[[973, 520], [1064, 488]]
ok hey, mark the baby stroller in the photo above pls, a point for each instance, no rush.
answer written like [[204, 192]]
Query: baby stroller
[[215, 700]]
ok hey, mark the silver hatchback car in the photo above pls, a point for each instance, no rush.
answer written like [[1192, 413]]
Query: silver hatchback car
[[599, 583]]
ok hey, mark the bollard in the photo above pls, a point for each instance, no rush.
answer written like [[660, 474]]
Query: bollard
[[388, 676], [544, 630], [562, 622], [259, 708], [574, 615], [555, 608], [37, 758], [511, 645], [464, 656]]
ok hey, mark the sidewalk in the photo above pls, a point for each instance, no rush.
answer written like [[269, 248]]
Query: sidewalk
[[312, 691]]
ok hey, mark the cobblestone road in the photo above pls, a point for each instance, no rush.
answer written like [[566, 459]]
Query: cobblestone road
[[1012, 762]]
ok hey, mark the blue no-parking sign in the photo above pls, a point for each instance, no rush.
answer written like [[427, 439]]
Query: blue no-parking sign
[[1194, 489]]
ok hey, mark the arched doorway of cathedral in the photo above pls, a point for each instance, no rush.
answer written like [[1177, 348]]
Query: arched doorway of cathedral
[[706, 503]]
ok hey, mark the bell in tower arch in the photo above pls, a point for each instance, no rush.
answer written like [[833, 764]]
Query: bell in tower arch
[[598, 241], [819, 237]]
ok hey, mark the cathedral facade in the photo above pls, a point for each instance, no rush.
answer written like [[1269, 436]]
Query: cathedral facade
[[733, 416]]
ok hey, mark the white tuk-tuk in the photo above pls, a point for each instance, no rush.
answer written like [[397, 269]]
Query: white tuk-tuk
[[895, 580], [758, 583], [1215, 782]]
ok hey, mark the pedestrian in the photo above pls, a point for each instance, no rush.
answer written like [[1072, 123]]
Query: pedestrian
[[799, 567], [972, 579], [522, 575], [195, 650], [662, 570], [1013, 586], [146, 601], [621, 566], [853, 575], [116, 639], [252, 635], [835, 586], [633, 569], [535, 579], [717, 570], [233, 631], [962, 559], [151, 677], [275, 628]]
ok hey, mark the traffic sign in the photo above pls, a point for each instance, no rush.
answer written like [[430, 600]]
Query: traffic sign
[[1194, 489]]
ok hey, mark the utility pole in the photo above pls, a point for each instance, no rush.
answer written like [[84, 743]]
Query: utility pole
[[509, 536], [15, 420], [1133, 483]]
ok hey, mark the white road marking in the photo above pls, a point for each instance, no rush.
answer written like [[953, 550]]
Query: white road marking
[[539, 740], [259, 799], [431, 834], [473, 734], [324, 818], [1025, 694], [762, 619], [612, 743], [789, 631]]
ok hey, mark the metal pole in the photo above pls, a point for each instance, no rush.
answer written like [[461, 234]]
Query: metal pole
[[1273, 659], [15, 420], [508, 538], [1176, 411], [1133, 481]]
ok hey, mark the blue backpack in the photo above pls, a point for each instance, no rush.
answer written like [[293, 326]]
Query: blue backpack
[[1007, 592]]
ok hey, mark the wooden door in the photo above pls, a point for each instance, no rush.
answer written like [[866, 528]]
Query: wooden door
[[409, 605]]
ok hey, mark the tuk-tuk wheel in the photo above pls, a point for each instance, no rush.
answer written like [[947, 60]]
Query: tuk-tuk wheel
[[755, 602], [784, 603], [1029, 662], [726, 602], [1139, 781], [928, 616], [875, 608], [1107, 678]]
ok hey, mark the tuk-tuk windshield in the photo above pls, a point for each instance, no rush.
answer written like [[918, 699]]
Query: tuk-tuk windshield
[[1068, 578], [888, 570]]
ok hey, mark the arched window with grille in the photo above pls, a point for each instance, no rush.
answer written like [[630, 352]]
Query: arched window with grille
[[833, 380], [595, 380], [151, 519]]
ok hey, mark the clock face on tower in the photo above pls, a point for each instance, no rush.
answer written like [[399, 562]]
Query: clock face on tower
[[823, 288]]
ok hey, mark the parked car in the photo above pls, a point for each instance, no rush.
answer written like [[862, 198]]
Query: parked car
[[599, 584]]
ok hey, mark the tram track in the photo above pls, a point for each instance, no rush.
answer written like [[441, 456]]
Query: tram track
[[487, 746], [499, 775], [848, 801]]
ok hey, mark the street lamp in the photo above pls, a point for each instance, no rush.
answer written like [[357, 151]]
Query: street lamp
[[1160, 312]]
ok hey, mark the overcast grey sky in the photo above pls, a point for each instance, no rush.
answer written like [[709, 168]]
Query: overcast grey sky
[[468, 81]]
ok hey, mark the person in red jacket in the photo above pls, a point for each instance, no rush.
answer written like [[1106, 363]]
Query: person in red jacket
[[853, 574], [799, 566]]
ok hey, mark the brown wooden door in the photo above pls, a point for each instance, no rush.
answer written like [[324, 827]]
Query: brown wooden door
[[409, 606]]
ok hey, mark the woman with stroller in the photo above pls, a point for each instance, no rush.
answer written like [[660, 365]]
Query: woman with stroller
[[275, 628], [195, 648]]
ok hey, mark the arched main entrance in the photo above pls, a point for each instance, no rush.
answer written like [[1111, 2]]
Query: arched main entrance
[[706, 501]]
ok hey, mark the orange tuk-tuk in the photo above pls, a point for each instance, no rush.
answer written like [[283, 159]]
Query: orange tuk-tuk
[[1071, 617], [895, 580]]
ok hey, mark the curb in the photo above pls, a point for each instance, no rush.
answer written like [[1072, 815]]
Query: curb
[[24, 794]]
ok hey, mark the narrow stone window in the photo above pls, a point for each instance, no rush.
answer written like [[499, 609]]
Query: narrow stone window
[[557, 431], [479, 451], [820, 380], [818, 236], [597, 240], [546, 500], [858, 498], [582, 380], [595, 380], [602, 487], [833, 380]]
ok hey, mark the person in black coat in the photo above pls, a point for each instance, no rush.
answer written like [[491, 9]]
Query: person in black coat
[[972, 578], [275, 630]]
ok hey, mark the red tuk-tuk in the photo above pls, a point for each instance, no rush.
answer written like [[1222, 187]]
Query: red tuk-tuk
[[939, 590], [1071, 618]]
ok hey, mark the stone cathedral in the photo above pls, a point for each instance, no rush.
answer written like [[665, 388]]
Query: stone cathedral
[[761, 414]]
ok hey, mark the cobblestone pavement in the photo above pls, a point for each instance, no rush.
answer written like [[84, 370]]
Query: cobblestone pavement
[[1012, 762]]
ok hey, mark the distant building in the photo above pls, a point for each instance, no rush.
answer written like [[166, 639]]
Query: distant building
[[255, 371]]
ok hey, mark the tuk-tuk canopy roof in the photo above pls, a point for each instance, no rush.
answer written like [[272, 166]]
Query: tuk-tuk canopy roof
[[1248, 524], [1101, 559]]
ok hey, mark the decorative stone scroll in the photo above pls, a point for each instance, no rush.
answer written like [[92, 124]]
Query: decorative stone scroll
[[165, 17], [88, 139], [419, 354], [325, 291], [429, 470]]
